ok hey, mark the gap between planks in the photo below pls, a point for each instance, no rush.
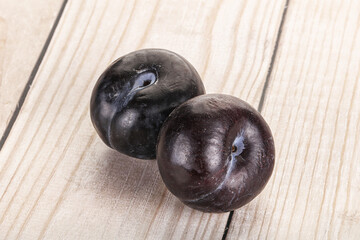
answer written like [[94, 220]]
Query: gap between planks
[[32, 76]]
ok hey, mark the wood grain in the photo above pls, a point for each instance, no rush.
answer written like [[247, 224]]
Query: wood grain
[[313, 107], [58, 180], [24, 27]]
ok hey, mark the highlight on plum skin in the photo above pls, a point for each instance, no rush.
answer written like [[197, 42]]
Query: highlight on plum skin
[[134, 96], [215, 153]]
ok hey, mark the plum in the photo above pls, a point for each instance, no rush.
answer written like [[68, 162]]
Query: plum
[[135, 95], [215, 153]]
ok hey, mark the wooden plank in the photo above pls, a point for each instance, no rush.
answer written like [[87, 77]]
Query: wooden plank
[[58, 180], [24, 27], [313, 107]]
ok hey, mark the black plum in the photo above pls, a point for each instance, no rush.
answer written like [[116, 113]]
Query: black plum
[[135, 95], [215, 153]]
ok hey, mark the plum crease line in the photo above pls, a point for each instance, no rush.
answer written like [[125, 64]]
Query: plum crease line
[[126, 99], [232, 161], [31, 78], [264, 91], [228, 172]]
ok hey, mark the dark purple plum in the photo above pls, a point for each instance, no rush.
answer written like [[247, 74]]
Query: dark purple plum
[[135, 95], [215, 153]]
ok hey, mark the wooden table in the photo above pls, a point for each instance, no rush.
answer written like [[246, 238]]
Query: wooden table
[[297, 61]]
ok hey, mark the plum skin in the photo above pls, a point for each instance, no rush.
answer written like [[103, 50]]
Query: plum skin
[[134, 96], [215, 153]]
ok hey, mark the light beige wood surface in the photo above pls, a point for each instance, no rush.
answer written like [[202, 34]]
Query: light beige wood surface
[[58, 180], [24, 27], [313, 107]]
